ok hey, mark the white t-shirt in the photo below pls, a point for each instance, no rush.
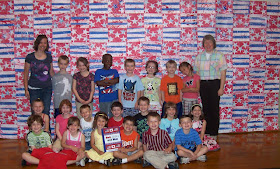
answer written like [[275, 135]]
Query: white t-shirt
[[86, 128]]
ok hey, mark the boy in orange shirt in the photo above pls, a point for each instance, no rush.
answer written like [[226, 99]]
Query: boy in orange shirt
[[129, 150], [171, 86]]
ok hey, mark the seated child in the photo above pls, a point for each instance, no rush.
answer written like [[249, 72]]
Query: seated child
[[36, 138], [38, 107], [117, 119], [157, 145], [199, 124], [73, 140], [97, 152], [129, 150], [188, 143], [65, 108], [86, 123]]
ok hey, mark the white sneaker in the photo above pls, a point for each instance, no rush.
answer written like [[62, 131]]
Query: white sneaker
[[82, 162], [89, 160], [202, 158], [184, 160]]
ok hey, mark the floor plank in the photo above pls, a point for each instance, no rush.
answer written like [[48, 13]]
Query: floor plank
[[242, 151]]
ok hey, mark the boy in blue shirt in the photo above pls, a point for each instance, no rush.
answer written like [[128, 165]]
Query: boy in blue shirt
[[106, 80], [130, 87], [188, 143]]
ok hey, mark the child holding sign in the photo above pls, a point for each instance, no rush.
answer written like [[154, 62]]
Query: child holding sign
[[97, 152]]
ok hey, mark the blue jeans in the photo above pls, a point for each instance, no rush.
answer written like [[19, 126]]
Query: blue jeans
[[179, 107], [45, 94]]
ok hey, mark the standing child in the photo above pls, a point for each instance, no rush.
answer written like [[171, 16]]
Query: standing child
[[73, 139], [86, 124], [106, 80], [62, 84], [36, 138], [171, 86], [129, 150], [191, 87], [39, 84], [38, 107], [170, 122], [151, 84], [65, 108], [188, 143], [97, 152], [157, 145], [83, 85], [199, 124], [141, 118], [117, 119], [130, 87]]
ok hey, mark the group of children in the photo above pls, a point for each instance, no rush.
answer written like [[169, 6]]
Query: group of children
[[128, 102]]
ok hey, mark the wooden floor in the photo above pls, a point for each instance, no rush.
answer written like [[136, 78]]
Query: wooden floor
[[242, 151]]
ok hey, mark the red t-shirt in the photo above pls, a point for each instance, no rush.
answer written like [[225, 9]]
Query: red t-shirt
[[49, 159], [113, 123], [172, 88]]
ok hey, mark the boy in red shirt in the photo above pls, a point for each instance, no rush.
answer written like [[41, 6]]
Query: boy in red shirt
[[171, 86], [157, 145], [129, 150]]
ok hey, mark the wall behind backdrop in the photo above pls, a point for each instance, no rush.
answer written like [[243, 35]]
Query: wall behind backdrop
[[247, 32]]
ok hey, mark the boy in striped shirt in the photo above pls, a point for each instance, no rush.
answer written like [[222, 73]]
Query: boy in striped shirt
[[157, 145]]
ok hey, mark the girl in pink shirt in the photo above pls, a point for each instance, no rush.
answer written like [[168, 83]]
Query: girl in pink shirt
[[73, 139], [191, 87]]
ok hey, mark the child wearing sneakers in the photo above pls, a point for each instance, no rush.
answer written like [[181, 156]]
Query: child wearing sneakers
[[129, 150], [188, 143], [157, 145]]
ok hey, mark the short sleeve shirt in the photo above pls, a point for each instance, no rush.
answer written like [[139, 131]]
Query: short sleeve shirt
[[83, 85], [141, 124], [210, 69], [190, 82], [151, 87], [107, 93], [62, 123], [128, 140], [188, 141], [157, 142], [170, 126], [40, 71], [39, 140], [129, 86], [172, 88], [113, 123]]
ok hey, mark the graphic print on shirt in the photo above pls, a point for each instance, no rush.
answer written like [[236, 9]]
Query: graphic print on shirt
[[190, 145], [127, 144], [189, 83], [128, 93], [40, 71], [107, 89], [172, 88], [171, 129], [67, 86]]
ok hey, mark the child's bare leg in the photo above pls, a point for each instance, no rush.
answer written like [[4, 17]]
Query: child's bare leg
[[119, 154], [202, 151], [29, 158], [135, 156], [78, 158]]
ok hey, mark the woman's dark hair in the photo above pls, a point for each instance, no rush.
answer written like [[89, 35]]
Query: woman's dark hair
[[38, 41]]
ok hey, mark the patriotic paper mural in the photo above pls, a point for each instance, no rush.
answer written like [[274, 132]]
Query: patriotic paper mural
[[247, 32]]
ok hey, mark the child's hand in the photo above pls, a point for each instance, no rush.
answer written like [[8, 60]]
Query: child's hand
[[27, 94], [75, 149], [100, 152], [193, 156], [167, 150], [80, 151]]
